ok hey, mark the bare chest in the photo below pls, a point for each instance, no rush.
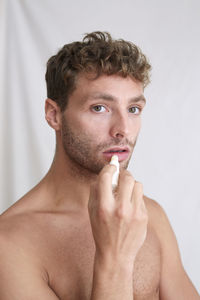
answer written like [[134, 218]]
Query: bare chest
[[70, 266]]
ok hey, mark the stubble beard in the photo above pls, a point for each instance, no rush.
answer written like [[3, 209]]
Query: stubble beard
[[81, 151]]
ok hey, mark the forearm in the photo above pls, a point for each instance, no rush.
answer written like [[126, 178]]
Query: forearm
[[112, 282]]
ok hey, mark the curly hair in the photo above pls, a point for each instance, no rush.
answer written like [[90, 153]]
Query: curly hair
[[96, 54]]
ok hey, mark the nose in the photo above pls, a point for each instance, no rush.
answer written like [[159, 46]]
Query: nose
[[120, 126]]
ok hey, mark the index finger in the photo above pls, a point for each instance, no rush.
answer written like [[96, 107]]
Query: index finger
[[104, 182]]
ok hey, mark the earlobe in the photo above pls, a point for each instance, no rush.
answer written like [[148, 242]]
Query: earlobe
[[53, 114]]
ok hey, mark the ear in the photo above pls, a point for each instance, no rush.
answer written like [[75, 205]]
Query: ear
[[53, 114]]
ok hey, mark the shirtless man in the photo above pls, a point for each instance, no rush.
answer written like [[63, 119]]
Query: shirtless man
[[72, 237]]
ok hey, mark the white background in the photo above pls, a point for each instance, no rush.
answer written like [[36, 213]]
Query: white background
[[166, 158]]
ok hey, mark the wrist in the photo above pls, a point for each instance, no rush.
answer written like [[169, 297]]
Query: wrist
[[114, 266]]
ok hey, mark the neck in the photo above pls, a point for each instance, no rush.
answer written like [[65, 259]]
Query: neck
[[67, 184]]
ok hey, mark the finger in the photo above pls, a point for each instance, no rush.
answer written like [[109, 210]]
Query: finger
[[125, 187], [143, 206], [104, 182], [137, 195], [93, 195]]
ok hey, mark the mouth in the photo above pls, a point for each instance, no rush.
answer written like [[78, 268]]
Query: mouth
[[121, 152]]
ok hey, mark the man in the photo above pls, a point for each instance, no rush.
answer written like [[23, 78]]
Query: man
[[72, 237]]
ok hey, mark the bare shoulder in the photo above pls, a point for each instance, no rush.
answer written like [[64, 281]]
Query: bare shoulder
[[158, 219], [152, 205], [156, 212], [20, 230], [13, 233], [17, 235], [21, 222], [154, 209], [22, 272], [181, 286], [16, 220], [20, 259]]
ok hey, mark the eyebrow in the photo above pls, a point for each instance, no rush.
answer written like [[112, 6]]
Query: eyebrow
[[109, 97]]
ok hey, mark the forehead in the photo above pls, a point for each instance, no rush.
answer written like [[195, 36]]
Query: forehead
[[114, 85]]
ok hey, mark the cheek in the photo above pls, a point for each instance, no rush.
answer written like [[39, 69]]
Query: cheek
[[77, 123], [135, 126], [139, 124], [90, 132], [92, 124]]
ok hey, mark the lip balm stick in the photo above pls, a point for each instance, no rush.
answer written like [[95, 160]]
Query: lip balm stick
[[114, 161]]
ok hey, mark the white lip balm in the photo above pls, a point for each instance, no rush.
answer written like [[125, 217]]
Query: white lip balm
[[114, 161]]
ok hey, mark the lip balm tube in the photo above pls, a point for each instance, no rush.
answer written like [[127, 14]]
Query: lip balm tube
[[114, 161]]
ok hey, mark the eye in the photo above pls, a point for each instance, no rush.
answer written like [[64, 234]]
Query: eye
[[99, 108], [135, 110]]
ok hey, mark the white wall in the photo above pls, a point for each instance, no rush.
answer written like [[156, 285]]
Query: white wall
[[166, 159]]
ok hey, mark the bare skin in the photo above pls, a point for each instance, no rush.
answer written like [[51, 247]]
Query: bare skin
[[70, 237]]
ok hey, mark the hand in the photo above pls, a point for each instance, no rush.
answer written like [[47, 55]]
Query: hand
[[119, 222]]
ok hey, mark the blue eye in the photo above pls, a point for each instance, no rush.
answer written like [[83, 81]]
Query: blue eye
[[134, 109], [98, 108]]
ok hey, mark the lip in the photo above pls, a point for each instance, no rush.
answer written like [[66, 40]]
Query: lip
[[121, 155]]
